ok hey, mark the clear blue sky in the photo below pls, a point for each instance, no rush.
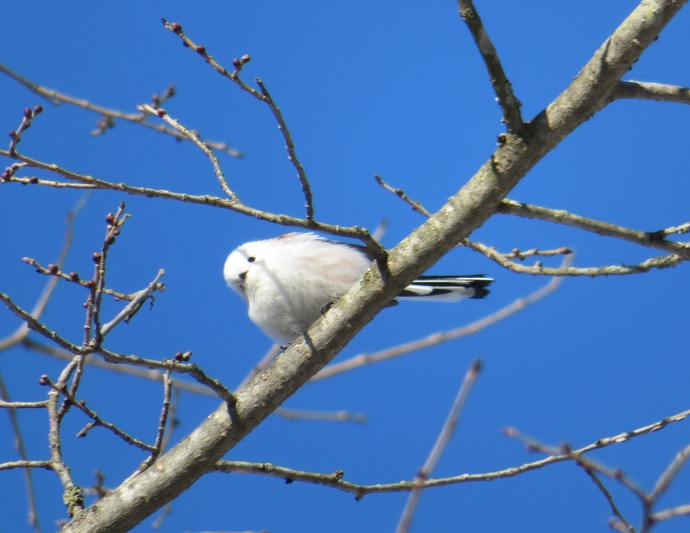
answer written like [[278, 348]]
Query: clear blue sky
[[398, 89]]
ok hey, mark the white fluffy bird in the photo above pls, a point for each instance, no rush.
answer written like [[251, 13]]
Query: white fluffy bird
[[288, 281]]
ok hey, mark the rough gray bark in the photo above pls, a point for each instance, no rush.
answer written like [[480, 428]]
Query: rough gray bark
[[592, 89]]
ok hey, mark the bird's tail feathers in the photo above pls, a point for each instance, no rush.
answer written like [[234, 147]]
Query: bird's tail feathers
[[447, 288]]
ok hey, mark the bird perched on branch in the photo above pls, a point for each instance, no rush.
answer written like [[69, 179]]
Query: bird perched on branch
[[288, 281]]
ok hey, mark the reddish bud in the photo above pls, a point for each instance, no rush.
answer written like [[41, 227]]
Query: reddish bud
[[90, 283], [28, 113], [246, 58], [12, 134], [110, 218], [161, 112], [74, 276], [235, 63], [43, 380], [201, 50], [38, 110], [53, 269], [176, 28], [97, 256], [33, 180]]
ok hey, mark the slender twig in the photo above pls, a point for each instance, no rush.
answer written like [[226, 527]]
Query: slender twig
[[660, 92], [577, 456], [57, 98], [327, 416], [162, 113], [440, 445], [660, 262], [22, 331], [132, 307], [72, 494], [171, 417], [292, 154], [335, 480], [651, 239], [96, 419], [11, 465], [162, 421], [414, 204], [21, 449], [73, 277], [669, 474], [39, 327], [502, 86], [264, 96], [609, 498], [681, 510], [193, 370], [92, 182]]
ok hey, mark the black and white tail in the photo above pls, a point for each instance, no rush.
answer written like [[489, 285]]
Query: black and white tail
[[447, 288]]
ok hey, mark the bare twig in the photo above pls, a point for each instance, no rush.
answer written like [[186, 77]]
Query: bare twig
[[73, 277], [96, 419], [91, 182], [440, 445], [414, 204], [11, 465], [162, 421], [73, 495], [653, 239], [162, 113], [21, 449], [132, 307], [335, 480], [609, 498], [22, 331], [327, 416], [592, 468], [669, 474], [110, 115], [502, 86], [262, 95], [290, 147], [660, 92]]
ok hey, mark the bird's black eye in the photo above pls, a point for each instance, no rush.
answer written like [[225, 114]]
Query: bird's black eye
[[251, 258]]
